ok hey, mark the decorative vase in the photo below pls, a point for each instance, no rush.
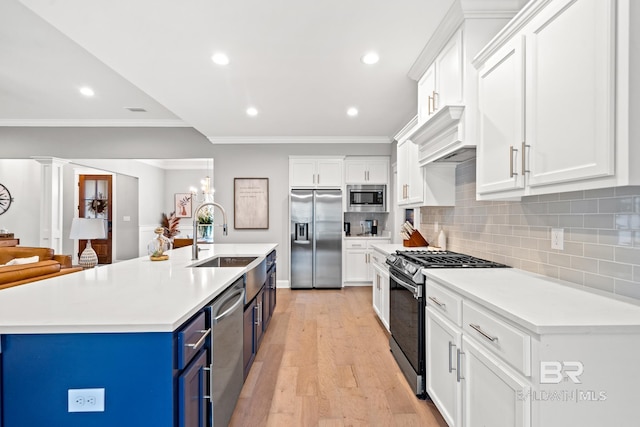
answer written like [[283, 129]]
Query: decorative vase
[[158, 246]]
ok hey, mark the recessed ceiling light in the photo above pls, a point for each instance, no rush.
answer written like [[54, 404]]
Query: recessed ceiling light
[[87, 91], [352, 112], [370, 58], [220, 59], [251, 111]]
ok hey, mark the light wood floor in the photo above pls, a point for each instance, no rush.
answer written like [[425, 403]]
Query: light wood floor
[[325, 361]]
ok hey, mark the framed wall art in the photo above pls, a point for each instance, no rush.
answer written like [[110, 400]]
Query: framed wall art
[[183, 205], [251, 203]]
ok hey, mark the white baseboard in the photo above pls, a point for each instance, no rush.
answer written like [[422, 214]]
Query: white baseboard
[[282, 284], [349, 284]]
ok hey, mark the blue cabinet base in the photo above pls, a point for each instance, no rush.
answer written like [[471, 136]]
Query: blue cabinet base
[[136, 370]]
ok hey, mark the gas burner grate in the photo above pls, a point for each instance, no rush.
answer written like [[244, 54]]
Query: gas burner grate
[[447, 259]]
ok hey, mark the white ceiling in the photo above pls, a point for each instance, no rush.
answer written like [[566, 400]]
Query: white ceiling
[[296, 61]]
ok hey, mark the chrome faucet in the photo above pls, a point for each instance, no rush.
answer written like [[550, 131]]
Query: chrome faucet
[[194, 246]]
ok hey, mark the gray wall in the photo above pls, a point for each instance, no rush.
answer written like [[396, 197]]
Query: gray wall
[[601, 232]]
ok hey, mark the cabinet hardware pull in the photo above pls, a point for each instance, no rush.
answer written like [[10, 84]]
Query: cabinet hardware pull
[[210, 396], [524, 162], [458, 364], [438, 303], [256, 311], [483, 333], [201, 340], [511, 151], [318, 179], [429, 105], [451, 369], [434, 100]]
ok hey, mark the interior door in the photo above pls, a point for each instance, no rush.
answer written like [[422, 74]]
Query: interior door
[[96, 199]]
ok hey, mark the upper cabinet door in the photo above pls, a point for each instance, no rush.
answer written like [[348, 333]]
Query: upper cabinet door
[[329, 173], [501, 120], [426, 90], [378, 171], [302, 172], [355, 171], [449, 74], [570, 78]]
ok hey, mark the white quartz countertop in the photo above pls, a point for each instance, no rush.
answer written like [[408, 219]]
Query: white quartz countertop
[[539, 303], [137, 295]]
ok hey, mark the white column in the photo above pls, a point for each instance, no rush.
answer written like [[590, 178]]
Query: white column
[[51, 202]]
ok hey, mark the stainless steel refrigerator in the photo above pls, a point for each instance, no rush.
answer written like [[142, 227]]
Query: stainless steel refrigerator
[[316, 239]]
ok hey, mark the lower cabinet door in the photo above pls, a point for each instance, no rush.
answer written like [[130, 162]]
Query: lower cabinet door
[[192, 390], [444, 388], [493, 395]]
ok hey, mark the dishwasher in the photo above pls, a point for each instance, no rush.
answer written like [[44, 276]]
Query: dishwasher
[[226, 320]]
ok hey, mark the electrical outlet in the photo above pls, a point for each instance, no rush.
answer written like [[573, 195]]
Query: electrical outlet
[[435, 227], [85, 400], [557, 238]]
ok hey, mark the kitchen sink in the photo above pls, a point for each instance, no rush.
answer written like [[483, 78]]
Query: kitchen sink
[[226, 261]]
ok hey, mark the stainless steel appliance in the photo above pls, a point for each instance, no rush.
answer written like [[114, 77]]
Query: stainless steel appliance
[[407, 306], [366, 198], [316, 239], [226, 323]]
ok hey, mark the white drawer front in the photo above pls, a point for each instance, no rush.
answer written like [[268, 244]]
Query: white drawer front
[[355, 244], [444, 302], [511, 344]]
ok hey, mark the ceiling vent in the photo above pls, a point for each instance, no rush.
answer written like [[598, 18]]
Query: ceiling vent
[[136, 109]]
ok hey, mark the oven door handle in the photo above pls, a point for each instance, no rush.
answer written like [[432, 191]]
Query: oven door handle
[[417, 290]]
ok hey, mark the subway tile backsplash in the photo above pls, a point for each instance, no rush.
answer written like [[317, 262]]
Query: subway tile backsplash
[[601, 232]]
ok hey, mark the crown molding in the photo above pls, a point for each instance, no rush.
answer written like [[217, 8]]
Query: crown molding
[[91, 123], [300, 140], [403, 133]]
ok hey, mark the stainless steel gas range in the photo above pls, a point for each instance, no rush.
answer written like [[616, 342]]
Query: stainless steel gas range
[[407, 305]]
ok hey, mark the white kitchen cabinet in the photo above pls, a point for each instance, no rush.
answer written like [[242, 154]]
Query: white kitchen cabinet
[[493, 395], [367, 170], [381, 294], [410, 176], [307, 172], [443, 385], [570, 92], [380, 286], [426, 91], [553, 117], [468, 374], [441, 83], [357, 264], [523, 361], [501, 120], [430, 185], [358, 259]]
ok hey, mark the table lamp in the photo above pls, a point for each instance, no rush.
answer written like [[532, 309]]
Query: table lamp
[[87, 228]]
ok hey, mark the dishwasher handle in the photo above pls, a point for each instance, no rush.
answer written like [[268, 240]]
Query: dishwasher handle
[[215, 317]]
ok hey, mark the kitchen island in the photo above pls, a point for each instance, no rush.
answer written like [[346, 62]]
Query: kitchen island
[[112, 327]]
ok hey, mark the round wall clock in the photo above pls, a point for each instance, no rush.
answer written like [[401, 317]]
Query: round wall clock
[[5, 199]]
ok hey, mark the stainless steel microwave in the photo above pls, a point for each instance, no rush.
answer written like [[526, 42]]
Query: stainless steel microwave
[[366, 198]]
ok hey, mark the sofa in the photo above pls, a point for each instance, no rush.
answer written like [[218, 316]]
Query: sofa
[[26, 270]]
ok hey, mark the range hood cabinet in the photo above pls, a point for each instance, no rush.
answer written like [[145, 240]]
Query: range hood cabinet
[[441, 138]]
